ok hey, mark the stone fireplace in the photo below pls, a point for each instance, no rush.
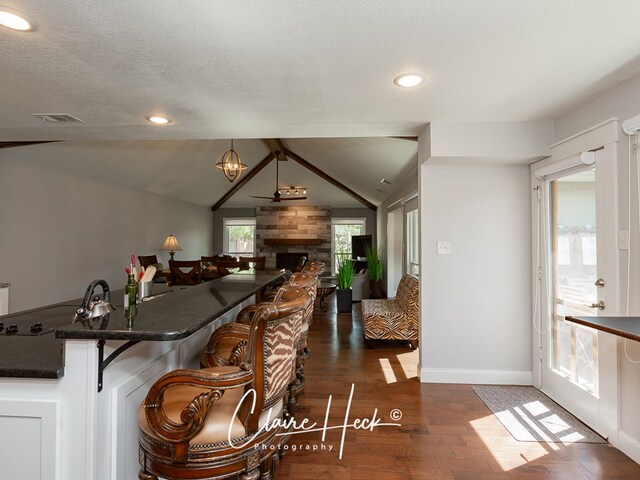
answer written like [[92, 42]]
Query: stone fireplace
[[295, 230], [289, 260]]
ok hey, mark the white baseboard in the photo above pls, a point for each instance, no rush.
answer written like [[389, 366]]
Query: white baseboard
[[490, 377], [629, 445]]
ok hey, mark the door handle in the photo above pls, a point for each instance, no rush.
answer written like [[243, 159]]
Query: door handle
[[600, 305], [599, 283]]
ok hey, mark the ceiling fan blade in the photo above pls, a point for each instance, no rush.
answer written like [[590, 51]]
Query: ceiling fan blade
[[294, 198], [265, 198]]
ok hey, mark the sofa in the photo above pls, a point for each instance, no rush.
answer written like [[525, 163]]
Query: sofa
[[360, 286], [394, 318]]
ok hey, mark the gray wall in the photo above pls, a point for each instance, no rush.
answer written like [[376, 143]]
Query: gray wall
[[60, 230], [475, 303]]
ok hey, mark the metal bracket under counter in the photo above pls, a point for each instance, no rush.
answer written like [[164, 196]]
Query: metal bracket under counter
[[103, 363]]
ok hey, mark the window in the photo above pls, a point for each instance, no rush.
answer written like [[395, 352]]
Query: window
[[239, 236], [411, 254], [341, 231]]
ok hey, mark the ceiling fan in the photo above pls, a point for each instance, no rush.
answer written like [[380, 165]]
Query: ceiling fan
[[277, 196]]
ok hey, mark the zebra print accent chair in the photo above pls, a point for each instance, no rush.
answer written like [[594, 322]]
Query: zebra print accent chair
[[395, 318], [194, 424]]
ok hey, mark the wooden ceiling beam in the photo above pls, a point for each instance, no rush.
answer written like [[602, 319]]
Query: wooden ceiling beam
[[282, 148], [411, 139], [244, 180], [24, 144], [297, 158], [277, 148]]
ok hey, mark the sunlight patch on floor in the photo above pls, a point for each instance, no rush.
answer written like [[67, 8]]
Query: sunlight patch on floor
[[387, 370], [409, 363], [485, 429]]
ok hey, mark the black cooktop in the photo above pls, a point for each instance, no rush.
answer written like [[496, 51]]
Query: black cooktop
[[41, 321]]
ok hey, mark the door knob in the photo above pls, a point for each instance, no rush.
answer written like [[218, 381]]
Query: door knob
[[599, 283], [600, 305]]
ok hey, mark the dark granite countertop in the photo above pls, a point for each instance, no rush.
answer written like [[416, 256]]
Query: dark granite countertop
[[177, 312]]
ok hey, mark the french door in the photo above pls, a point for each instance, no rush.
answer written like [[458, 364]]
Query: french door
[[576, 221]]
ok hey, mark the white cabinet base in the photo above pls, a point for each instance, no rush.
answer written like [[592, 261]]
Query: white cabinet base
[[65, 430]]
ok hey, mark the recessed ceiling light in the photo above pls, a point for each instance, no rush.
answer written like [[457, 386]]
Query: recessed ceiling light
[[15, 20], [408, 80], [157, 119]]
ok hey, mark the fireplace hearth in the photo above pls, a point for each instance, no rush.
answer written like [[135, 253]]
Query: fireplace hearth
[[289, 260]]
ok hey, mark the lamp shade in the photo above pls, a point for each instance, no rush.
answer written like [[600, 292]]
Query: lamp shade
[[171, 244]]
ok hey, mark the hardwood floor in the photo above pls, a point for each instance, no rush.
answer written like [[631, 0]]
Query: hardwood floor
[[446, 431]]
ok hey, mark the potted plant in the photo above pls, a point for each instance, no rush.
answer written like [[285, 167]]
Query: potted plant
[[344, 278], [374, 267]]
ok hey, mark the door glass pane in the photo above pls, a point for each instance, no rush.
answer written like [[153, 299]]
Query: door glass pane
[[412, 266], [573, 242]]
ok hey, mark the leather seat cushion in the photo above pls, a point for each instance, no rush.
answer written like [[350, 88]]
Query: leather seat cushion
[[216, 428], [381, 308]]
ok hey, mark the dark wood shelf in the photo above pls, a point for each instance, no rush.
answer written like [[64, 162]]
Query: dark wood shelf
[[626, 327], [292, 241]]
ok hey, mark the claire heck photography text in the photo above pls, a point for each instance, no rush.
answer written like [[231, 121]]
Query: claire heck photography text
[[294, 426]]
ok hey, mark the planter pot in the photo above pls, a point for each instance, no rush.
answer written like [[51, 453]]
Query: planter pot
[[344, 300], [377, 289]]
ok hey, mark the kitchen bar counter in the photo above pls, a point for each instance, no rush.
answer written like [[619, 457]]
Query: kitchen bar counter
[[79, 386], [175, 313]]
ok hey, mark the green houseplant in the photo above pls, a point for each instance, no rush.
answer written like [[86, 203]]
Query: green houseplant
[[344, 279], [374, 267]]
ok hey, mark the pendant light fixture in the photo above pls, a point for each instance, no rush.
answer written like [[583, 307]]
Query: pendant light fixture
[[231, 165]]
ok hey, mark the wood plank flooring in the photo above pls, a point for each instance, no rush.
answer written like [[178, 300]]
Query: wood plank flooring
[[446, 432]]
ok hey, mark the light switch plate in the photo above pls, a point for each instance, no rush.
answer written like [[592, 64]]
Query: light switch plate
[[444, 248], [623, 240]]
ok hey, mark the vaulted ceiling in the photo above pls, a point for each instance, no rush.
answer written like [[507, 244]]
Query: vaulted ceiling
[[318, 74], [185, 169]]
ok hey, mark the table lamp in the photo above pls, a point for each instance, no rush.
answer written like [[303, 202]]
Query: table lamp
[[171, 245]]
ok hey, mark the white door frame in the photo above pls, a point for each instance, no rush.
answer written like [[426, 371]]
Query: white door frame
[[604, 416]]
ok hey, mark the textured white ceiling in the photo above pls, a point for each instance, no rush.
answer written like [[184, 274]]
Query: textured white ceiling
[[309, 72], [287, 68]]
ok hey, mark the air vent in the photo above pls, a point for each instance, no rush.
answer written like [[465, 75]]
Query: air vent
[[57, 118], [385, 181]]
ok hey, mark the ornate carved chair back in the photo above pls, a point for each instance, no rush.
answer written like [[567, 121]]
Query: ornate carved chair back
[[185, 272], [147, 260], [185, 437], [259, 262], [276, 359], [314, 268], [309, 282]]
